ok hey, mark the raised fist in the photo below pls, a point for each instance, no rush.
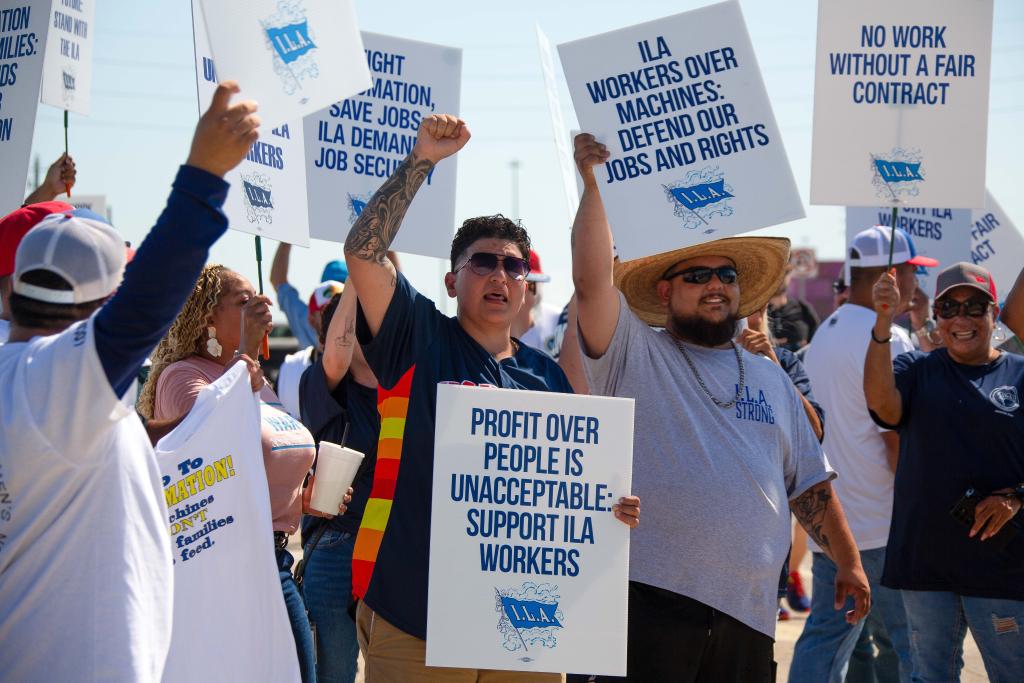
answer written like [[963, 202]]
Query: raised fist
[[440, 136], [224, 133], [885, 294], [588, 153]]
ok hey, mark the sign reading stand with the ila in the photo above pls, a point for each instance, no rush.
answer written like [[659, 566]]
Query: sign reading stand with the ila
[[528, 565], [67, 64], [695, 151], [901, 103]]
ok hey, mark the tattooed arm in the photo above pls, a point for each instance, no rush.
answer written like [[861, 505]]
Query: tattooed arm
[[440, 136], [820, 514]]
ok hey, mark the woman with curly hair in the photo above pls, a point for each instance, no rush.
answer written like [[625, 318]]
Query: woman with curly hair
[[222, 316]]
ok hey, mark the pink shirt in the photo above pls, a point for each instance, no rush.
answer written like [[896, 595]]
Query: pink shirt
[[288, 447]]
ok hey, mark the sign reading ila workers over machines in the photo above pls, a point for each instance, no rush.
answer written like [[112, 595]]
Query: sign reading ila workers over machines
[[695, 150], [528, 565], [901, 103]]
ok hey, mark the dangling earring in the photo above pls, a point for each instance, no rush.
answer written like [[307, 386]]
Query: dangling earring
[[213, 346]]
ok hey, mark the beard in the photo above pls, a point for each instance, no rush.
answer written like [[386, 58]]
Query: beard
[[697, 330]]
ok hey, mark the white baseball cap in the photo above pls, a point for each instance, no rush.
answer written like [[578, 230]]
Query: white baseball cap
[[80, 247], [870, 248]]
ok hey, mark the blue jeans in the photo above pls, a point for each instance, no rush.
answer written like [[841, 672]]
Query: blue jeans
[[939, 622], [297, 616], [865, 665], [823, 650], [327, 587]]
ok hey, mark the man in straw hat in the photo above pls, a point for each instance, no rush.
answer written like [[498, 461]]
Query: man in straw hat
[[722, 448]]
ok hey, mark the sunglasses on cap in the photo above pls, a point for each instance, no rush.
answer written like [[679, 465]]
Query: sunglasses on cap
[[948, 309], [701, 275], [483, 264]]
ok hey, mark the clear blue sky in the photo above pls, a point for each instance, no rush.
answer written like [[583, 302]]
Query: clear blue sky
[[143, 113]]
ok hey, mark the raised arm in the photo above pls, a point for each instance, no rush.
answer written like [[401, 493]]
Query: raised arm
[[883, 398], [340, 340], [1013, 310], [592, 256], [440, 135], [59, 177], [279, 268]]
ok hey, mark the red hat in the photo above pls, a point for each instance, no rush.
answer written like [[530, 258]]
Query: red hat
[[536, 274], [14, 225], [323, 294]]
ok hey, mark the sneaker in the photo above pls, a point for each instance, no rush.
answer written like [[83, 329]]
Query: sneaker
[[783, 613], [795, 595]]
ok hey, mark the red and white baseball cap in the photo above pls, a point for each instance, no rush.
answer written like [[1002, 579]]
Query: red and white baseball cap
[[80, 247], [536, 274], [870, 249], [965, 274], [323, 294], [17, 223]]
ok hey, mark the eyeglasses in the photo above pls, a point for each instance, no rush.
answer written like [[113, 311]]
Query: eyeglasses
[[948, 309], [484, 264], [701, 275]]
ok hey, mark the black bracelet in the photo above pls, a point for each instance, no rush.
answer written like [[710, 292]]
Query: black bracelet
[[880, 341]]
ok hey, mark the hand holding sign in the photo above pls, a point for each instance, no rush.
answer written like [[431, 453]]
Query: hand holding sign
[[440, 136], [225, 133], [256, 323], [61, 175], [589, 153], [886, 295]]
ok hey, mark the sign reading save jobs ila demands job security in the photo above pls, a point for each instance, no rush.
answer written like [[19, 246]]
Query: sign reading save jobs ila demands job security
[[695, 150], [528, 565]]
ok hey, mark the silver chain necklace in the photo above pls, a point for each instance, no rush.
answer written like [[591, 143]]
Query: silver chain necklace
[[700, 380]]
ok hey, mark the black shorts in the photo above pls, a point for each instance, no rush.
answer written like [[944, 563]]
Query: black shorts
[[675, 639]]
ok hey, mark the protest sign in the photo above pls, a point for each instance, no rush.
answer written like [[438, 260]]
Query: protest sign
[[695, 151], [230, 620], [23, 28], [901, 103], [996, 244], [563, 144], [97, 203], [268, 189], [67, 64], [942, 234], [354, 145], [528, 565], [294, 57]]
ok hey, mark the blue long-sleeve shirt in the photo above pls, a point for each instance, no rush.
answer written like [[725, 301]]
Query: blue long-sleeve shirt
[[161, 276]]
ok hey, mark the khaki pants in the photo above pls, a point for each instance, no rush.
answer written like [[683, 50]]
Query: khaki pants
[[393, 656]]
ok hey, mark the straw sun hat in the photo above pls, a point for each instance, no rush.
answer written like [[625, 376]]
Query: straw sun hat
[[760, 263]]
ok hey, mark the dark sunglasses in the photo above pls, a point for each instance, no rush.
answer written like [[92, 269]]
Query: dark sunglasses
[[701, 275], [484, 264], [972, 308]]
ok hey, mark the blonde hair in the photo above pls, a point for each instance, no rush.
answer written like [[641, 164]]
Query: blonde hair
[[186, 334]]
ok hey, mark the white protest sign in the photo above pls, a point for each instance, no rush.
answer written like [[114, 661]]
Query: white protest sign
[[97, 203], [563, 144], [941, 234], [695, 151], [528, 565], [268, 189], [901, 102], [996, 244], [23, 28], [67, 67], [354, 145], [294, 57]]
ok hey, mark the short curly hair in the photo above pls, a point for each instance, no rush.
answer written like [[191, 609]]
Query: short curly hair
[[483, 227]]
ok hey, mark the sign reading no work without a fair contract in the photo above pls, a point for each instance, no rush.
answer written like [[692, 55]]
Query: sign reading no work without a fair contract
[[528, 565], [901, 103], [695, 151]]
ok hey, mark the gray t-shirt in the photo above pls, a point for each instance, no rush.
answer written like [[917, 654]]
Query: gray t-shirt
[[714, 483]]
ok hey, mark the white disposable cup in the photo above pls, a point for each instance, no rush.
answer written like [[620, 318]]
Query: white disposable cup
[[336, 468]]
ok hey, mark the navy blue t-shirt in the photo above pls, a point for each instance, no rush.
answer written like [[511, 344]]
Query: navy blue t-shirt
[[791, 363], [326, 414], [962, 427], [419, 347]]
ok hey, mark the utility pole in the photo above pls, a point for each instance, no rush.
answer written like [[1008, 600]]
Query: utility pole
[[514, 165]]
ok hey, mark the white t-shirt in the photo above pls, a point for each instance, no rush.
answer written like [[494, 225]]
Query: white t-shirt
[[853, 444], [85, 568], [541, 335], [288, 379], [230, 620]]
